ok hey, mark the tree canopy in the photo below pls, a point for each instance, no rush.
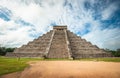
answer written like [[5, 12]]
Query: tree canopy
[[4, 50]]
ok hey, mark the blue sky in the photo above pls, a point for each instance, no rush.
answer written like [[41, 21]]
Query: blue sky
[[97, 21]]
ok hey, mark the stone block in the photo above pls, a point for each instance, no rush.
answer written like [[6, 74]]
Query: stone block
[[59, 43]]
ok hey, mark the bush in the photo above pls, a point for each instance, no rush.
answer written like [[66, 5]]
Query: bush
[[4, 50], [114, 53]]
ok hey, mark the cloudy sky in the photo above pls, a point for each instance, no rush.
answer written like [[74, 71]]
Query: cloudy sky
[[98, 21]]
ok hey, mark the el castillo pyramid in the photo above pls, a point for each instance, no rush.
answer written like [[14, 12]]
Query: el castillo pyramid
[[59, 43]]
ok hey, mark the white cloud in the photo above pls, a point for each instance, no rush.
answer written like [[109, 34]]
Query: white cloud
[[30, 12], [12, 34], [108, 38], [41, 13], [108, 12]]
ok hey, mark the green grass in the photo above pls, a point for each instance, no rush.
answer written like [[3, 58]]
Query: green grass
[[109, 59], [9, 65], [113, 59]]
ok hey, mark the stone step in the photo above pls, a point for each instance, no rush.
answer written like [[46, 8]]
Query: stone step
[[29, 50], [37, 45], [25, 54], [59, 43], [58, 47]]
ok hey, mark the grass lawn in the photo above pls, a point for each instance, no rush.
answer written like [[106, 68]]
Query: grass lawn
[[112, 59], [9, 65]]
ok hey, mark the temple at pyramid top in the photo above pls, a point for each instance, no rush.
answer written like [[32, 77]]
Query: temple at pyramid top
[[60, 27], [59, 43]]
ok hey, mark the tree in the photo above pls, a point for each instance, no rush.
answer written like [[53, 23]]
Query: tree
[[115, 53], [10, 49], [4, 50], [118, 49]]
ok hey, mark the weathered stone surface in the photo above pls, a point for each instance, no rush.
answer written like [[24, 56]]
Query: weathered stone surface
[[59, 43], [58, 48]]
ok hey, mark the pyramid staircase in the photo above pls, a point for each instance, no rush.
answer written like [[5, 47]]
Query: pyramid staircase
[[58, 48], [59, 43]]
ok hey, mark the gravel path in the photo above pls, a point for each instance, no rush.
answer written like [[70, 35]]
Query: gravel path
[[69, 69]]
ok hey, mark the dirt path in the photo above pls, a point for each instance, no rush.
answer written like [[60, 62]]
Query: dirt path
[[69, 69]]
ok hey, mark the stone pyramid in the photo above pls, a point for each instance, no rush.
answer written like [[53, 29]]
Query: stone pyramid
[[59, 43]]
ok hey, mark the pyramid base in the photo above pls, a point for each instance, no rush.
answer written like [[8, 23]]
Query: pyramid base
[[41, 55], [100, 55]]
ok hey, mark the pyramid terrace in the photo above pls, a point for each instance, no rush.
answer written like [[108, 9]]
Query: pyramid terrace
[[59, 43]]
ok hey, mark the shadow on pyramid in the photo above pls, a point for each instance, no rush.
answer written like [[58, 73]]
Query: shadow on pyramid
[[59, 43]]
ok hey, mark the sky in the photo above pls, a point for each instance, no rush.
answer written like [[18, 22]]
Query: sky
[[97, 21]]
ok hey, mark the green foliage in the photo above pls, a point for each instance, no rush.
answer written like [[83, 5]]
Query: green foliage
[[4, 50], [115, 53], [10, 49]]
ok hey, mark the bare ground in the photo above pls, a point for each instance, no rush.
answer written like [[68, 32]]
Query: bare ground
[[68, 69]]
